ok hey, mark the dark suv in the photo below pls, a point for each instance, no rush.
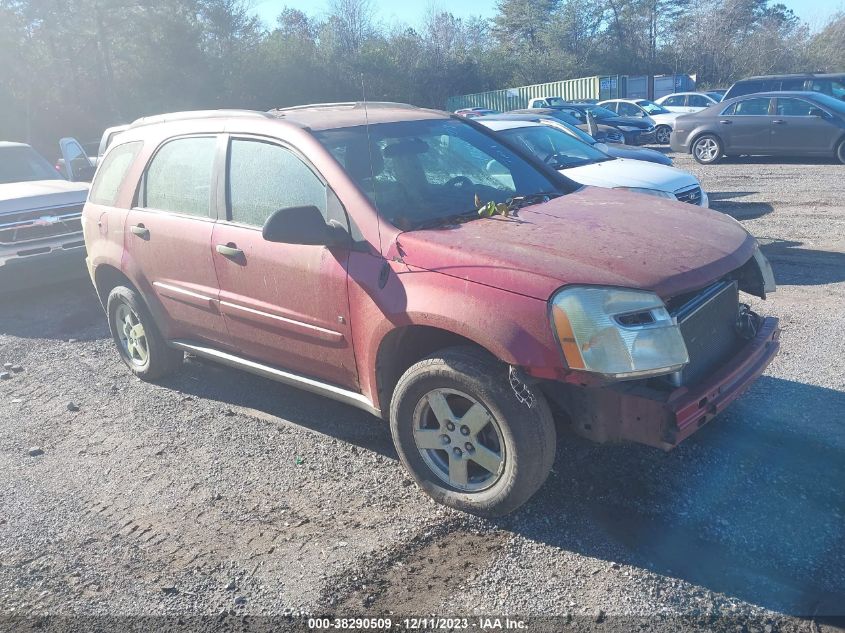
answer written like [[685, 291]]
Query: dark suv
[[830, 84], [340, 249]]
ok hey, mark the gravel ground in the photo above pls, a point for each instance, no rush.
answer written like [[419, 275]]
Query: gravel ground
[[216, 493]]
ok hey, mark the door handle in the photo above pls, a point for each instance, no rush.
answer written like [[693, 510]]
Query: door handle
[[778, 122], [725, 122], [140, 230], [229, 250]]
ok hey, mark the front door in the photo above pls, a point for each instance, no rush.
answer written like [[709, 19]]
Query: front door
[[284, 304], [168, 239], [798, 127], [747, 127]]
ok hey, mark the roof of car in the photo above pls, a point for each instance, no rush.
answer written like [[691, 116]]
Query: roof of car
[[323, 116], [792, 76], [12, 144], [778, 93]]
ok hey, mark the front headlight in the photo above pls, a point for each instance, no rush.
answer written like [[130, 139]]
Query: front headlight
[[766, 271], [616, 332], [650, 192]]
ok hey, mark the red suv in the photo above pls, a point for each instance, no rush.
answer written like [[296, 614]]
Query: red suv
[[339, 248]]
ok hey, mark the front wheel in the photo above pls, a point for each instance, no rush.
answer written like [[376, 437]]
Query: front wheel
[[465, 438], [840, 152], [664, 133], [707, 149]]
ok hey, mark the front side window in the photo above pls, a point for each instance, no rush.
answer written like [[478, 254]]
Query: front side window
[[746, 88], [111, 173], [416, 172], [752, 107], [179, 177], [264, 177], [677, 100], [699, 101], [629, 109]]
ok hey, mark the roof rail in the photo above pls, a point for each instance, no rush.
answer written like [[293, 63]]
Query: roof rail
[[196, 114], [346, 104]]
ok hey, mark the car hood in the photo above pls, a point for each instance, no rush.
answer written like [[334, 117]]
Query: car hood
[[623, 172], [41, 194], [636, 153], [667, 118], [592, 236]]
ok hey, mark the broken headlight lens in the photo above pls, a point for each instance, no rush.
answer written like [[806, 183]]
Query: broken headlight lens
[[616, 332], [766, 272]]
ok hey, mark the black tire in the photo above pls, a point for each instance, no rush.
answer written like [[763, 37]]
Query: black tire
[[159, 359], [526, 436], [840, 152], [663, 134], [707, 149]]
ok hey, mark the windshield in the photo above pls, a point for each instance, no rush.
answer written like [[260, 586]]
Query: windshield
[[555, 101], [716, 96], [425, 170], [561, 122], [21, 163], [557, 149], [830, 103], [651, 107], [600, 112]]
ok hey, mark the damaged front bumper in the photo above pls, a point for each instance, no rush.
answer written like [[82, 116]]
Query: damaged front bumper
[[638, 412]]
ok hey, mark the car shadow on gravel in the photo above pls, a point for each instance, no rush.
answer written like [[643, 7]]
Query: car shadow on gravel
[[59, 311], [278, 402], [726, 202], [794, 265], [752, 506]]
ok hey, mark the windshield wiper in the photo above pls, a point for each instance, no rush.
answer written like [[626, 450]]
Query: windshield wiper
[[517, 202]]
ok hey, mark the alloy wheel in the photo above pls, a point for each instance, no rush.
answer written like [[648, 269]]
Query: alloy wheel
[[459, 440], [707, 150], [663, 135], [130, 332]]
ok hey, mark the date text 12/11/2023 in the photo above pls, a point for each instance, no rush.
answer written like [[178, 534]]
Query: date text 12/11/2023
[[413, 624]]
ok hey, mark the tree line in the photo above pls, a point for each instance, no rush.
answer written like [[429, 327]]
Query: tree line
[[78, 66]]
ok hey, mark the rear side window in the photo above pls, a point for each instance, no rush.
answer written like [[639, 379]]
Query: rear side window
[[179, 177], [745, 88], [792, 84], [752, 107], [111, 173], [795, 107], [264, 178]]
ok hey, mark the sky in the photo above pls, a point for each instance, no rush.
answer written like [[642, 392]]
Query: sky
[[815, 12]]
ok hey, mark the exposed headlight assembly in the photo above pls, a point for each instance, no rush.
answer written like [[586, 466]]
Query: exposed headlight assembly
[[616, 332], [766, 271], [650, 192]]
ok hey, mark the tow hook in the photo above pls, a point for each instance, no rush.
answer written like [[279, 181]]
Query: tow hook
[[520, 386]]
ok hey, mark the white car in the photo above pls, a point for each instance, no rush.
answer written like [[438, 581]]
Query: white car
[[585, 164], [686, 102], [663, 119]]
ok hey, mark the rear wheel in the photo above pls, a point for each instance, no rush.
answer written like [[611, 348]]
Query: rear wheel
[[840, 152], [465, 438], [663, 134], [707, 149], [139, 343]]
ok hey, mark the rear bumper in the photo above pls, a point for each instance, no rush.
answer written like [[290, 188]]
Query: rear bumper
[[663, 419]]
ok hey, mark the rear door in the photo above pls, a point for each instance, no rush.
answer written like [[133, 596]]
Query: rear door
[[284, 304], [168, 237], [796, 130], [746, 126]]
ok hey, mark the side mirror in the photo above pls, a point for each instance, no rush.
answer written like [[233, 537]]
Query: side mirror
[[302, 225]]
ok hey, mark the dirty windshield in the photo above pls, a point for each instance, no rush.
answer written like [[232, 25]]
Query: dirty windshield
[[418, 172], [19, 163]]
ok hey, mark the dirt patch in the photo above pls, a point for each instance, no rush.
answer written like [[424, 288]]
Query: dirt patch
[[420, 578]]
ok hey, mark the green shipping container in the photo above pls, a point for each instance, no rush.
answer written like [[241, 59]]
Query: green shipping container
[[516, 98]]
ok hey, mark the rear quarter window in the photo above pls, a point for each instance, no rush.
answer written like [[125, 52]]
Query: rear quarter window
[[111, 173]]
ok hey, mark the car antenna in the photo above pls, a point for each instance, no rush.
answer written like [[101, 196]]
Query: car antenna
[[372, 168]]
